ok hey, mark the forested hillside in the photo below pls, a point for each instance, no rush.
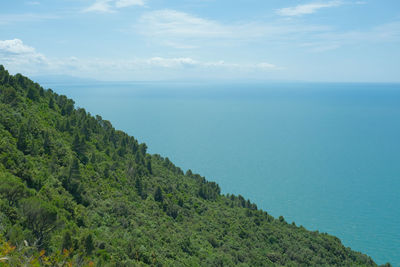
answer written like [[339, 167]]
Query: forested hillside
[[74, 190]]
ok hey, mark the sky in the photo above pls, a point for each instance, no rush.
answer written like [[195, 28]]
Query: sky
[[151, 40]]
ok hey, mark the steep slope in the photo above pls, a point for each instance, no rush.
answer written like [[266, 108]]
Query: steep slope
[[73, 189]]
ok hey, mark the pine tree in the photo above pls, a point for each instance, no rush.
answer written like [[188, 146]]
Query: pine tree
[[33, 94], [158, 196], [89, 246], [148, 165], [47, 143], [74, 172], [79, 146], [139, 186], [51, 103], [22, 143], [76, 144], [73, 184]]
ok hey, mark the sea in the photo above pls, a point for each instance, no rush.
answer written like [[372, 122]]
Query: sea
[[324, 155]]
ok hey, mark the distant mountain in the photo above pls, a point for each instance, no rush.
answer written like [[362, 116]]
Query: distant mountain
[[74, 191]]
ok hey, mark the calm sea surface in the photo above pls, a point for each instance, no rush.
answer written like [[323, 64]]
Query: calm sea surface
[[326, 156]]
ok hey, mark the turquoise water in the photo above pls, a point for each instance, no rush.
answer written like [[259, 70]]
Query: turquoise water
[[323, 155]]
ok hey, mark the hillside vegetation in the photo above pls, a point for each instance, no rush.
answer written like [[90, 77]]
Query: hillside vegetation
[[74, 191]]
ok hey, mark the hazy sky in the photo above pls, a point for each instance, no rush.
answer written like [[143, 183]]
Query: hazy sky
[[338, 40]]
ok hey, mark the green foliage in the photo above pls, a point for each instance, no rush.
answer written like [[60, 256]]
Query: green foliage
[[9, 95], [33, 94], [209, 190], [12, 188], [89, 246], [158, 195], [75, 190], [67, 241], [40, 217]]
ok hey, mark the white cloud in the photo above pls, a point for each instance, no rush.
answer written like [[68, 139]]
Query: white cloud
[[385, 33], [175, 24], [28, 17], [158, 68], [19, 57], [15, 54], [179, 45], [321, 46], [15, 46], [171, 22], [110, 6], [185, 31], [306, 8], [267, 66], [171, 62], [187, 62], [100, 6], [126, 3]]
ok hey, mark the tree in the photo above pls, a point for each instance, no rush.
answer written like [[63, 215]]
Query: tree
[[148, 165], [158, 195], [74, 170], [51, 103], [40, 217], [9, 94], [79, 146], [72, 183], [33, 94], [187, 246], [12, 188], [139, 186], [143, 149], [47, 144], [4, 75], [209, 190], [68, 126], [22, 142], [67, 240], [89, 246], [67, 106]]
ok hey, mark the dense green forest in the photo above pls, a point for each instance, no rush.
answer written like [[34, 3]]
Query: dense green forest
[[74, 191]]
